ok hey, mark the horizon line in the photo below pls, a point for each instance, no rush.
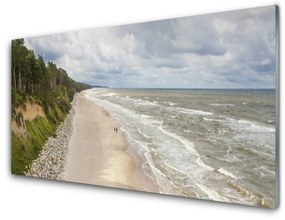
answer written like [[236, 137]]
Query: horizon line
[[109, 87]]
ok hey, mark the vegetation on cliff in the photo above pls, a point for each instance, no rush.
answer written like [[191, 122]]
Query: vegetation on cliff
[[41, 97]]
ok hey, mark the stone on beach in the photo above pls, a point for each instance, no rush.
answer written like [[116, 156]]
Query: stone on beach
[[51, 160]]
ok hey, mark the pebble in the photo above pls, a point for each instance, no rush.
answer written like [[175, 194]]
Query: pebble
[[50, 162]]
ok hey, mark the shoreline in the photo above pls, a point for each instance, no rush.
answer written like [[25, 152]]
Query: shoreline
[[98, 154]]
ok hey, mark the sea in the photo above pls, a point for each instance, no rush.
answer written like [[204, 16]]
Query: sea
[[212, 144]]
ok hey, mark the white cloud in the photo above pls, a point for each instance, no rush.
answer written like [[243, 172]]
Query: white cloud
[[232, 49], [266, 61]]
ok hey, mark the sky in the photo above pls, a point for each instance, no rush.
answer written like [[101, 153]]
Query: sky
[[223, 50]]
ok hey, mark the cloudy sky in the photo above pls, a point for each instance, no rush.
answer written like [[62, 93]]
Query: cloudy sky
[[223, 50]]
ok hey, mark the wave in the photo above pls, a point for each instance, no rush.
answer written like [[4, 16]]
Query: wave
[[166, 185], [167, 145], [212, 194], [143, 134], [231, 158], [247, 125], [100, 92], [189, 146], [255, 198], [170, 103], [226, 173], [141, 102], [174, 160], [193, 112], [219, 104]]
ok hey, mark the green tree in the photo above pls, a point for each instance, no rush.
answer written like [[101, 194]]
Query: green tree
[[17, 61]]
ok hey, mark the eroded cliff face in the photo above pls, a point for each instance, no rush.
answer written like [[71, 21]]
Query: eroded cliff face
[[26, 112]]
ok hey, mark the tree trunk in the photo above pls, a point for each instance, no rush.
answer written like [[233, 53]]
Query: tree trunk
[[50, 83], [20, 83], [14, 77]]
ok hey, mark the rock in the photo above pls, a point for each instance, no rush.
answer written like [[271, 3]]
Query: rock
[[50, 162]]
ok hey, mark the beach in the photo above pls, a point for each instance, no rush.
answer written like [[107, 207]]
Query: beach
[[152, 141], [199, 143], [98, 151]]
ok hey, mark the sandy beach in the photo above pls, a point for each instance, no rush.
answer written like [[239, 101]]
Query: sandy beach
[[98, 154]]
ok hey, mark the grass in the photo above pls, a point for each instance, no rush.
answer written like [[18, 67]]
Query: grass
[[25, 148]]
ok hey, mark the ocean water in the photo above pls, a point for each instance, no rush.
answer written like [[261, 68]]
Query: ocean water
[[207, 144]]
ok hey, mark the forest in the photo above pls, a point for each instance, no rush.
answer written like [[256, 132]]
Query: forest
[[41, 98]]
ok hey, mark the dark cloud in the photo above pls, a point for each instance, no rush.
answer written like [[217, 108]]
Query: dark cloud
[[232, 49]]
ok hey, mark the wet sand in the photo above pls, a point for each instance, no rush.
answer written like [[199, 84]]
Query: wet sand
[[98, 154]]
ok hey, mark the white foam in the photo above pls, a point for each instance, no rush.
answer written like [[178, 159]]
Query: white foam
[[170, 103], [110, 94], [248, 125], [117, 110], [99, 92], [175, 168], [193, 112], [202, 164], [126, 116], [226, 173], [144, 116], [189, 146], [143, 134], [207, 119], [143, 102], [166, 186], [231, 158], [212, 194], [171, 146], [220, 104], [212, 119]]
